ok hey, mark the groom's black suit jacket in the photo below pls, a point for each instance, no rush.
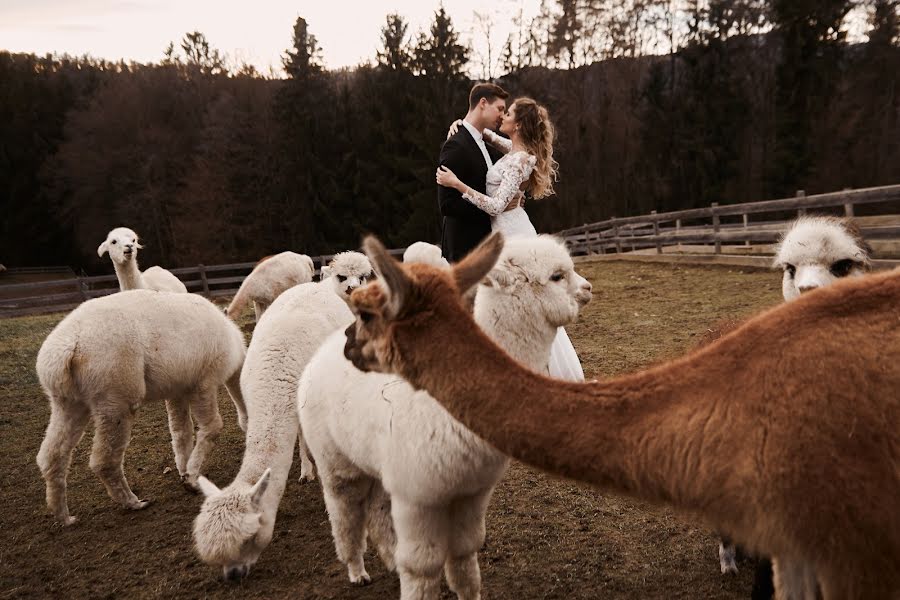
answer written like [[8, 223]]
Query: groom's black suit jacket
[[463, 224]]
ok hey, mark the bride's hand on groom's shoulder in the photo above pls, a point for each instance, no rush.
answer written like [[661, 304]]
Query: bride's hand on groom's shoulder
[[454, 127]]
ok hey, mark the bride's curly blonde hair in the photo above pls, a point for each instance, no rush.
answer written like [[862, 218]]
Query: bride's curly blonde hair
[[537, 133]]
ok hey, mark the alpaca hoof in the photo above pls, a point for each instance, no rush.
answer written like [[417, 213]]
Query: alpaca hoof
[[361, 580], [242, 423], [190, 483], [729, 569], [139, 505], [67, 520], [307, 477]]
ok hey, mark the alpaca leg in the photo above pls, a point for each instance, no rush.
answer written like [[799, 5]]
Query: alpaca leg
[[205, 408], [67, 423], [181, 427], [467, 538], [112, 432], [763, 588], [307, 466], [345, 500], [380, 525], [727, 555], [233, 385], [794, 580], [422, 548]]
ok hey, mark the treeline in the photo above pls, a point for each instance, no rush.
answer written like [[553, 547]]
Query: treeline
[[755, 99]]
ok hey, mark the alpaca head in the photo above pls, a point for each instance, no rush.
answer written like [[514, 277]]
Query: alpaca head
[[122, 245], [535, 276], [347, 271], [231, 529], [423, 252], [408, 302], [815, 251]]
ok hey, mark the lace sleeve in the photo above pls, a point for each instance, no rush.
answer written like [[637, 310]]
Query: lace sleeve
[[515, 169], [497, 141]]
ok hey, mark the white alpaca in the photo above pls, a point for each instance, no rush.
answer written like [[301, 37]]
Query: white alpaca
[[346, 272], [423, 252], [122, 245], [815, 251], [235, 524], [269, 278], [368, 430], [112, 354]]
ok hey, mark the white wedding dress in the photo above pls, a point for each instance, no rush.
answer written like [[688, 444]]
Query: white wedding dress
[[504, 180]]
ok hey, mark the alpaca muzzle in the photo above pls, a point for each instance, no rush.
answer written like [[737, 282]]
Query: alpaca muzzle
[[352, 351]]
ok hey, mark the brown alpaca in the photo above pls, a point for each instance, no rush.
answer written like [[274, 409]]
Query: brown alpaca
[[784, 434]]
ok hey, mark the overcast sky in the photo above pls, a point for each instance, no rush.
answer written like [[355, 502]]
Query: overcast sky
[[256, 32]]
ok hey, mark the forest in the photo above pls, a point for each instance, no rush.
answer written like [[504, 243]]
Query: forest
[[722, 101]]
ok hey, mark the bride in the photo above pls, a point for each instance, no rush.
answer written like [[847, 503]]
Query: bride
[[527, 166]]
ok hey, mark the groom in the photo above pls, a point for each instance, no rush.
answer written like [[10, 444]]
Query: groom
[[466, 154]]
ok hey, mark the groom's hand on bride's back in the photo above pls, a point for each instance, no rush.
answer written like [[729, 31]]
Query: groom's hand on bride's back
[[517, 201]]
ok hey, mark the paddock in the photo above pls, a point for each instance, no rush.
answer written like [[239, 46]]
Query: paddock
[[546, 538]]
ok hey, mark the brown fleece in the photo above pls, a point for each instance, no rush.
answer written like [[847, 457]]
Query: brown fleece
[[784, 434]]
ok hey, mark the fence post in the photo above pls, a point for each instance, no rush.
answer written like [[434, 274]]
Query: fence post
[[203, 280], [82, 287], [848, 206], [715, 218], [801, 211], [656, 233], [746, 220], [615, 229]]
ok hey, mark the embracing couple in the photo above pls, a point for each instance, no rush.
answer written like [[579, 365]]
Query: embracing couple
[[483, 178]]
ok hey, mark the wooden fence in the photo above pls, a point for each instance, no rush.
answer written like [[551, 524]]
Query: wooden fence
[[715, 225], [708, 225], [19, 299]]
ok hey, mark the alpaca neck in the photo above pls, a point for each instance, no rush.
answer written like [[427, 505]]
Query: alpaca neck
[[527, 340], [129, 275], [613, 434]]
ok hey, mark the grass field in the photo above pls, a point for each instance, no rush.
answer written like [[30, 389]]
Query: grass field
[[546, 538]]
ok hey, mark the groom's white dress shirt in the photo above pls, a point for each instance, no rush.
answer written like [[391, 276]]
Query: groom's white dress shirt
[[479, 139]]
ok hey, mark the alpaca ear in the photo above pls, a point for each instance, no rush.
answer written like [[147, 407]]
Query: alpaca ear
[[102, 248], [499, 277], [325, 273], [471, 270], [395, 282], [208, 488], [257, 491], [137, 244]]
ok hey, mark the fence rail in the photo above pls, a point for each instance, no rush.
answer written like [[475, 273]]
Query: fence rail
[[656, 230]]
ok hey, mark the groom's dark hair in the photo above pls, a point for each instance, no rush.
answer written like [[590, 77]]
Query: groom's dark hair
[[489, 91]]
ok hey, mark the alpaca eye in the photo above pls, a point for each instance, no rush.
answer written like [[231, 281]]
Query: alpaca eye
[[791, 270], [842, 268], [366, 317], [342, 277], [559, 276], [113, 242]]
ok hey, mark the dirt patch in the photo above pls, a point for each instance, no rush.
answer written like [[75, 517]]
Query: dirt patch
[[546, 538]]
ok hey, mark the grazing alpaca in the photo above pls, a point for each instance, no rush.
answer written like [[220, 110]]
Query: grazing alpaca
[[374, 432], [235, 524], [122, 245], [819, 250], [784, 434], [423, 252], [814, 252], [269, 278], [112, 354]]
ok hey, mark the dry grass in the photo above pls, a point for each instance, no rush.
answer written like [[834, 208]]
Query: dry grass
[[546, 538]]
